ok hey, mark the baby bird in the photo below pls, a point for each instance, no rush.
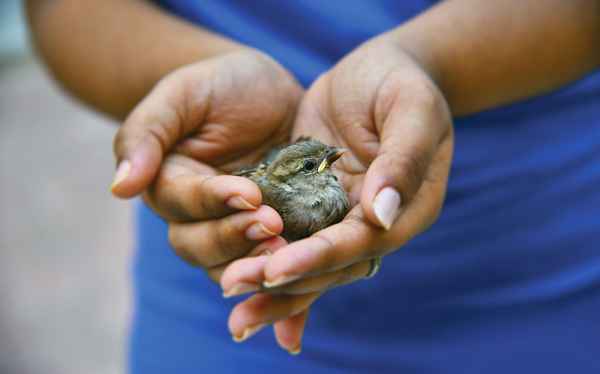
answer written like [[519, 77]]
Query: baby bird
[[298, 183]]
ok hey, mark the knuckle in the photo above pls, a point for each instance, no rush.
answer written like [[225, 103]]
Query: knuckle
[[293, 305], [357, 230], [117, 141], [426, 95], [167, 197], [219, 242], [354, 222], [435, 211], [413, 89], [181, 247], [434, 216], [175, 238], [411, 169], [149, 199], [202, 193], [345, 276], [426, 223], [161, 134], [121, 140], [328, 253], [228, 241], [434, 105], [360, 233]]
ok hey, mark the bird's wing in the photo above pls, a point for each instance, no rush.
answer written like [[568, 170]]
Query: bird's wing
[[259, 169], [252, 171], [244, 172], [303, 138]]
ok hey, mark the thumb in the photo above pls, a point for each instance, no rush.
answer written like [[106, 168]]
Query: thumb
[[407, 144], [147, 135], [139, 156]]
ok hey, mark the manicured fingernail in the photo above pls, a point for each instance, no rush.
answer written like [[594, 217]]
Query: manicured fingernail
[[386, 206], [240, 289], [296, 351], [258, 231], [238, 202], [121, 173], [280, 281], [248, 332]]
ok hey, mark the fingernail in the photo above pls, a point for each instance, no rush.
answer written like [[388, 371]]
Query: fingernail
[[121, 173], [280, 281], [248, 332], [238, 202], [296, 351], [386, 206], [258, 231], [240, 289]]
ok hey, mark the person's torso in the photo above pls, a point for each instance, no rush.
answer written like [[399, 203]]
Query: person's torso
[[508, 277]]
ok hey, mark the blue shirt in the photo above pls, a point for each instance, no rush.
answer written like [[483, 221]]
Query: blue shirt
[[507, 280]]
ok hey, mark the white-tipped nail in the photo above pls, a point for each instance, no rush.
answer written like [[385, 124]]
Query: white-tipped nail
[[258, 231], [238, 202], [240, 289], [280, 281], [248, 332], [296, 351], [386, 206], [121, 174]]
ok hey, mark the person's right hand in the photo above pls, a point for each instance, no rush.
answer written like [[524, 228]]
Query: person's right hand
[[199, 123]]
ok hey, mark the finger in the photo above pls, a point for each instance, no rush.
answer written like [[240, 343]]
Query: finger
[[265, 248], [289, 332], [325, 281], [259, 310], [409, 135], [247, 274], [331, 249], [201, 197], [148, 134], [214, 242]]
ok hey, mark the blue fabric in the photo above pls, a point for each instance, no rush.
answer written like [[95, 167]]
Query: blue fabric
[[507, 281]]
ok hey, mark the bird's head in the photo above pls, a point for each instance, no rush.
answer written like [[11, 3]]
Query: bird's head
[[305, 160]]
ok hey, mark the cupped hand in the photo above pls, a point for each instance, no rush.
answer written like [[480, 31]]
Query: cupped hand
[[198, 124], [380, 103], [225, 112]]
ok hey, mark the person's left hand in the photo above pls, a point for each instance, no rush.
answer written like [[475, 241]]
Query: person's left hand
[[381, 104]]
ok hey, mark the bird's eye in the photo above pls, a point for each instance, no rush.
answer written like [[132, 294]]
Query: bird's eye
[[309, 165]]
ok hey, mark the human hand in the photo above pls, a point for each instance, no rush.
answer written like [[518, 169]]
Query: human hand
[[382, 105], [224, 112], [199, 123]]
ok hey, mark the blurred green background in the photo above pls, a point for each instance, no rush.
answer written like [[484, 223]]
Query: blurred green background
[[64, 242]]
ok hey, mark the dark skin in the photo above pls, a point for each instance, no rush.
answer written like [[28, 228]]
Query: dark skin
[[460, 57], [77, 40]]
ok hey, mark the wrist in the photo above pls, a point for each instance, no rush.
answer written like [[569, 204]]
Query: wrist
[[414, 46]]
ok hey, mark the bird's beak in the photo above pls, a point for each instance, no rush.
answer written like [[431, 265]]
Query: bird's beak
[[330, 157]]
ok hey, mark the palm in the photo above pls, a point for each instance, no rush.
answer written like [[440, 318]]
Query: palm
[[234, 109], [350, 105]]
